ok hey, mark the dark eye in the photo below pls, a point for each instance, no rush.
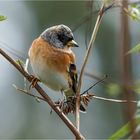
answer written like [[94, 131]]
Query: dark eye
[[61, 37], [64, 39]]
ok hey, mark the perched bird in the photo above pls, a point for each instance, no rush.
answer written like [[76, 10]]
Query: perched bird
[[53, 61]]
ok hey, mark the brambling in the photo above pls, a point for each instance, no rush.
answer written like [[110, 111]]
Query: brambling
[[53, 61]]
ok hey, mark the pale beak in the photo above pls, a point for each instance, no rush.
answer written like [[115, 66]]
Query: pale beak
[[72, 43]]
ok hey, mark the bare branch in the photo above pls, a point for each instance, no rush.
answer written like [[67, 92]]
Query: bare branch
[[86, 98], [45, 96], [98, 21], [114, 100]]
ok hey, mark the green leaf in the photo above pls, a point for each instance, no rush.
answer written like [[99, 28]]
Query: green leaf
[[134, 49], [123, 131], [19, 62], [2, 18]]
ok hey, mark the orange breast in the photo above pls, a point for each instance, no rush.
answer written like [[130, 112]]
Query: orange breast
[[55, 58]]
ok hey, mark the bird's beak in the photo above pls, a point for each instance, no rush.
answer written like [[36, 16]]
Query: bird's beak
[[72, 43]]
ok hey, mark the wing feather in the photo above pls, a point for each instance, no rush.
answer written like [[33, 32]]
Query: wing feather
[[73, 76]]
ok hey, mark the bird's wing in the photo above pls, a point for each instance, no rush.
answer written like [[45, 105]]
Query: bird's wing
[[73, 77]]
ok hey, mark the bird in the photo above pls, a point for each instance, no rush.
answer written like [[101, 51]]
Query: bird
[[53, 61]]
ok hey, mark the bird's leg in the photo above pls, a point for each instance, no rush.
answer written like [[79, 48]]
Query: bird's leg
[[62, 101], [64, 96], [57, 103], [34, 81]]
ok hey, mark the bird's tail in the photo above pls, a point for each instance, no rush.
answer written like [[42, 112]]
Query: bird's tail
[[82, 108]]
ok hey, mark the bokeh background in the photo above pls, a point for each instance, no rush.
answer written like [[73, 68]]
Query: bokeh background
[[22, 116]]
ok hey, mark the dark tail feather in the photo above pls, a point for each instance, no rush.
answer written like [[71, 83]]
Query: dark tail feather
[[82, 108]]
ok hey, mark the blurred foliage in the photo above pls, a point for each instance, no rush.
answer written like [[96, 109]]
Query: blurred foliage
[[136, 87], [113, 89], [2, 18], [57, 12], [134, 12], [135, 49], [108, 2], [124, 130]]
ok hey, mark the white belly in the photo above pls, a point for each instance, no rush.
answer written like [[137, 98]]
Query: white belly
[[49, 77]]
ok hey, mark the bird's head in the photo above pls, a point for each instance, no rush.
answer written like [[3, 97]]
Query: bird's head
[[59, 36]]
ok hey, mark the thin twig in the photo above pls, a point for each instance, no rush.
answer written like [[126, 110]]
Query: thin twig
[[13, 51], [28, 93], [86, 98], [94, 33], [45, 96], [84, 20], [113, 100], [101, 80]]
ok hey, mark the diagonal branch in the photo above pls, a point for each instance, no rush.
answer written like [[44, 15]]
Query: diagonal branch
[[45, 96], [94, 33]]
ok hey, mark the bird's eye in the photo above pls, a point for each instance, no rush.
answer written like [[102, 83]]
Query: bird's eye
[[64, 39], [61, 37]]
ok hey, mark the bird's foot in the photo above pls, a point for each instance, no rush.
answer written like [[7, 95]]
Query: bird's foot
[[60, 104], [34, 81], [66, 106]]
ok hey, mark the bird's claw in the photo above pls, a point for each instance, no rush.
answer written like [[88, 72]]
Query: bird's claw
[[34, 81], [60, 104]]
